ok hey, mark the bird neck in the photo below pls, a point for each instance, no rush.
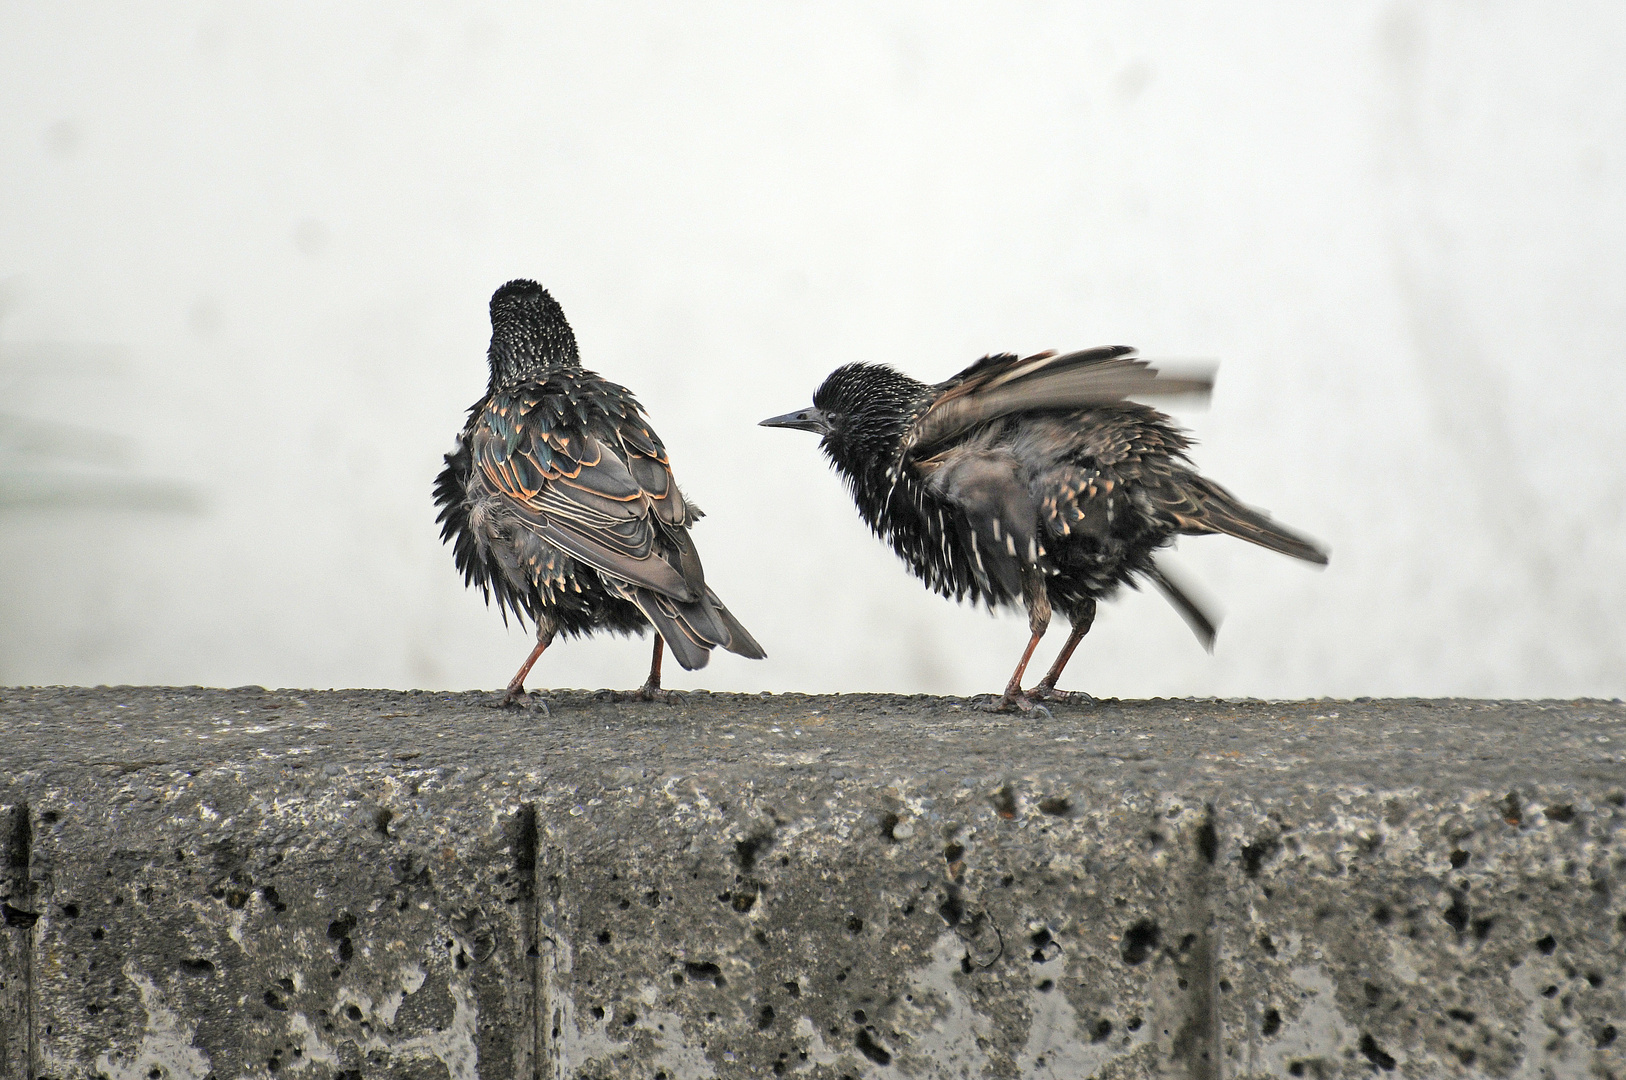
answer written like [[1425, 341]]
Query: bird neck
[[527, 353]]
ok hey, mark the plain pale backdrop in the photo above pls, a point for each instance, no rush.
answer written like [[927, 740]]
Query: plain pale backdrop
[[246, 249]]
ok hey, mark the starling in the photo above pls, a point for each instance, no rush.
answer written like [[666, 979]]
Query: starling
[[559, 502], [1030, 480]]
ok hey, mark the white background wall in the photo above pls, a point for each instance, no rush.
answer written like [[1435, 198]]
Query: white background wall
[[246, 249]]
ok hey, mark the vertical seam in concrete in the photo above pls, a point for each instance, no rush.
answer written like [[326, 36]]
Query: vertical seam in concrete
[[1199, 1036], [534, 1012], [20, 917]]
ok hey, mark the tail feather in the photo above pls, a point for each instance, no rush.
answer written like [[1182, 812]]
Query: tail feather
[[739, 640], [693, 629], [1219, 511], [1196, 615]]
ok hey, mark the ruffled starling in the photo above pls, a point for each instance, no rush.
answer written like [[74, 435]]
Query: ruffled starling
[[560, 505], [1030, 480]]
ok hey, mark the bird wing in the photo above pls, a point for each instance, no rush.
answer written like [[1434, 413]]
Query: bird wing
[[574, 490], [1000, 385], [985, 484]]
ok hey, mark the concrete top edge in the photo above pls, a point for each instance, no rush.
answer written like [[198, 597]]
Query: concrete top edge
[[118, 736]]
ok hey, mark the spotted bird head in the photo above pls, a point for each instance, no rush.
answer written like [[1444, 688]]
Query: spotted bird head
[[529, 335]]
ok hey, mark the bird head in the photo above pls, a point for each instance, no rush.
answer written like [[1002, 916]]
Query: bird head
[[862, 412], [529, 334]]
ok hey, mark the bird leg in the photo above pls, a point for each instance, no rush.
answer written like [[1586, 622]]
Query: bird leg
[[651, 690], [1038, 604], [516, 694], [1046, 690]]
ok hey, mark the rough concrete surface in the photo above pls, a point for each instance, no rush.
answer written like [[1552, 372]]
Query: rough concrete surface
[[240, 883]]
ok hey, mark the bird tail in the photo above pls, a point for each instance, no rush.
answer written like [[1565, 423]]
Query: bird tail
[[1195, 613], [692, 629], [1217, 510]]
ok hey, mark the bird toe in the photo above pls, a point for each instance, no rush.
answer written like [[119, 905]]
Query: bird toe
[[1050, 693]]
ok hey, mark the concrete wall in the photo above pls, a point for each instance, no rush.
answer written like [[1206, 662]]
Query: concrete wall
[[248, 884], [246, 251]]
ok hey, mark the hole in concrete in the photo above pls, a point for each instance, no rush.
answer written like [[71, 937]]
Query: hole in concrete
[[1045, 986], [603, 937], [1549, 991], [871, 1049], [1482, 927], [1004, 801], [1547, 945], [1254, 854], [889, 821], [1459, 859], [855, 925], [1383, 914], [765, 1018], [1512, 809], [236, 899], [1133, 1023], [1462, 1014], [270, 896], [97, 934], [859, 1017], [952, 909], [744, 899], [381, 821], [197, 966], [793, 988], [705, 970], [1606, 1035], [1374, 994], [353, 1012], [1375, 1053], [1271, 1024], [1563, 813], [952, 853], [1055, 806], [1139, 940], [1457, 913], [747, 850], [1100, 1030], [71, 910], [275, 1001], [1208, 838], [1267, 945]]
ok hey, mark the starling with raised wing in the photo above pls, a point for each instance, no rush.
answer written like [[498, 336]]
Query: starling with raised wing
[[560, 505], [1031, 480]]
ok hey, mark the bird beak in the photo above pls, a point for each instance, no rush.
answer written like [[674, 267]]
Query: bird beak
[[808, 419]]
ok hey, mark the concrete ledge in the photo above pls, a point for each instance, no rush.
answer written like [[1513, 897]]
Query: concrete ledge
[[243, 883]]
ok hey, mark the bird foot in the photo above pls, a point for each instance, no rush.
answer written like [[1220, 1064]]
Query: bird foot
[[644, 693], [1008, 703], [531, 701], [1050, 693]]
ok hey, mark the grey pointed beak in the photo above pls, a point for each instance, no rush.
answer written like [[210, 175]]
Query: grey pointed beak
[[808, 419]]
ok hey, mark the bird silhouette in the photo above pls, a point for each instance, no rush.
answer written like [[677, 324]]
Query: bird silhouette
[[560, 506], [1033, 481]]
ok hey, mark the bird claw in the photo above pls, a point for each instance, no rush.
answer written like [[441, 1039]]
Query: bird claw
[[1050, 693], [1008, 703], [649, 693], [531, 701]]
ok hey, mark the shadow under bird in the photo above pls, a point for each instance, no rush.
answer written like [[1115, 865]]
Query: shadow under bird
[[560, 505], [1031, 480]]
